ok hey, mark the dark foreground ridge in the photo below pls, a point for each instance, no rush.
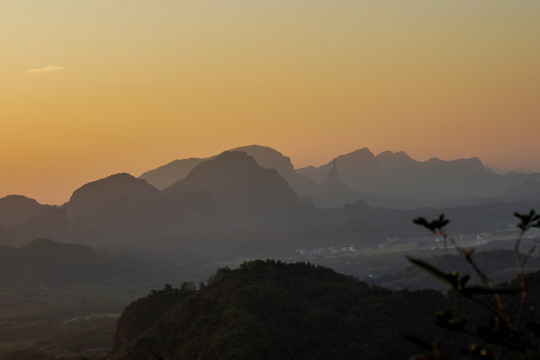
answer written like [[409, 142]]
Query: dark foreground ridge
[[273, 310]]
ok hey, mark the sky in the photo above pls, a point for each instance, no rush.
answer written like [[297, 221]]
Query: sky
[[90, 88]]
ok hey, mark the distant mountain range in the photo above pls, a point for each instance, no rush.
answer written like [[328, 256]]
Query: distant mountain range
[[250, 201], [224, 194], [268, 158], [389, 179]]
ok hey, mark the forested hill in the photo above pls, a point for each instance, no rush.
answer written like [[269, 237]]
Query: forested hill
[[273, 310]]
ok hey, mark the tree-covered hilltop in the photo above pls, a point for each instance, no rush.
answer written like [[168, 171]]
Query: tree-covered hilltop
[[273, 310]]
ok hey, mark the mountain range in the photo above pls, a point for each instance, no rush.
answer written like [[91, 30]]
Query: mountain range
[[250, 201], [392, 180]]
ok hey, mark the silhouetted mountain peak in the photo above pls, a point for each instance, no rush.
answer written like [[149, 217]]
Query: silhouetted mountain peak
[[389, 155], [228, 162], [385, 155], [473, 163], [396, 161], [333, 183], [17, 200], [17, 209], [269, 158], [402, 155], [235, 178], [363, 158], [166, 175], [333, 175], [360, 154], [333, 189], [105, 191]]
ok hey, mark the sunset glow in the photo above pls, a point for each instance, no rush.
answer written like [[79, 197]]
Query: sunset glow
[[96, 87]]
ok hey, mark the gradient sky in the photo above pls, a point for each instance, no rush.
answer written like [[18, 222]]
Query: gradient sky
[[94, 87]]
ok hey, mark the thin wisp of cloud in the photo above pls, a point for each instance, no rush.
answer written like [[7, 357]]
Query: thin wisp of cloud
[[45, 69]]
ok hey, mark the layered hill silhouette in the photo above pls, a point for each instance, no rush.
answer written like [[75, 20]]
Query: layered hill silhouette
[[266, 157], [434, 182], [236, 180], [18, 209], [245, 194], [389, 179], [243, 205], [225, 194]]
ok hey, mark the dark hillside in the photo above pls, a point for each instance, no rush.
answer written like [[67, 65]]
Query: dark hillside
[[500, 264], [17, 209], [273, 310], [247, 195], [45, 263]]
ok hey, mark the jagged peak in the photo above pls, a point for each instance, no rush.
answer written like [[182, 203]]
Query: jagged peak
[[360, 154], [234, 177], [399, 157], [226, 164], [269, 158], [386, 154], [265, 156], [231, 157], [402, 155], [333, 174], [363, 151]]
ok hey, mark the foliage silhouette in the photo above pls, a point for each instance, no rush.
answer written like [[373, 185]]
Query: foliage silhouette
[[273, 310], [505, 335]]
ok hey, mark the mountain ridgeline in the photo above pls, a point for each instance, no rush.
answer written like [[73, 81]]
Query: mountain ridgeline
[[250, 201], [389, 179]]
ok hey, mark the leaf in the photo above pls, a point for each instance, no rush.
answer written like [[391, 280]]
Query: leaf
[[450, 279], [434, 225], [532, 219]]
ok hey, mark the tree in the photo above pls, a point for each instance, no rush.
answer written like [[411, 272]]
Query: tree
[[505, 333]]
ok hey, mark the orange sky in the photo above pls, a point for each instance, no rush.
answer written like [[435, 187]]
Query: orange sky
[[95, 87]]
